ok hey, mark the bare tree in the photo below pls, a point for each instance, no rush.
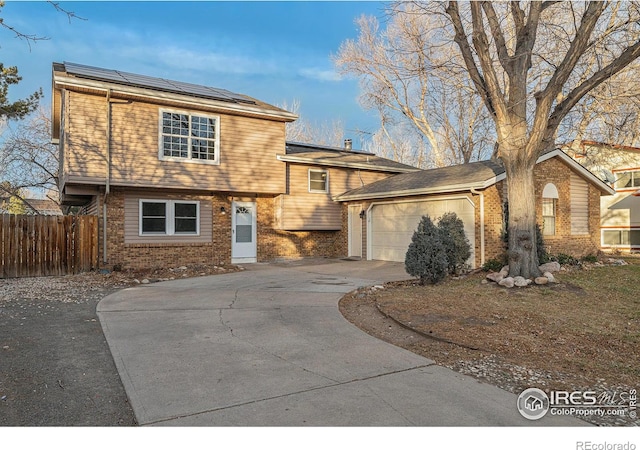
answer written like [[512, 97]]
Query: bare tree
[[9, 75], [609, 113], [28, 160], [530, 90], [406, 78], [326, 133], [399, 141]]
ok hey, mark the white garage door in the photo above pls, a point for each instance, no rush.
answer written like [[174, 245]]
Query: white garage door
[[393, 224]]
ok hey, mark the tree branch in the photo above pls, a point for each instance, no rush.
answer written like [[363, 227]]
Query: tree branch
[[467, 56], [563, 108]]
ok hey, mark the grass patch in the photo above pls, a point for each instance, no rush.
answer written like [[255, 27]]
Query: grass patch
[[586, 327]]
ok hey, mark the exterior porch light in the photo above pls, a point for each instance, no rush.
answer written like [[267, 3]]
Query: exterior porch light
[[363, 214], [223, 210]]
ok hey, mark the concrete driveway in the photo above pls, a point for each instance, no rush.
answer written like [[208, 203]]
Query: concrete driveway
[[268, 347]]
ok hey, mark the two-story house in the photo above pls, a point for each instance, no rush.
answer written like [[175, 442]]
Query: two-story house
[[618, 165], [183, 174]]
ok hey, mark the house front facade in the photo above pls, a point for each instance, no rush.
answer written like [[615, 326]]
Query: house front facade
[[567, 207], [182, 174]]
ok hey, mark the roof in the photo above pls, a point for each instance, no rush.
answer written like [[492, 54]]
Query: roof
[[45, 206], [339, 157], [463, 177], [79, 75]]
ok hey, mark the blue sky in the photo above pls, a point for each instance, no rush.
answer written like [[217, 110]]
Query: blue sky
[[274, 51]]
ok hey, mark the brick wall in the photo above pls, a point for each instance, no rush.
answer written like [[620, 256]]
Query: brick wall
[[273, 243], [157, 255], [555, 171], [494, 246]]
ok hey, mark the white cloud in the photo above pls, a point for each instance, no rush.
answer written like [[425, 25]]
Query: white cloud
[[315, 73], [234, 63]]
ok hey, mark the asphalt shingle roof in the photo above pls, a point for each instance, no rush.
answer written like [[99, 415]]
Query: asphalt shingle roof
[[469, 175], [333, 156]]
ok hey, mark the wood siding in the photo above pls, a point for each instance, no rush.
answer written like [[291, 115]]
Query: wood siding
[[300, 209], [248, 149], [132, 219]]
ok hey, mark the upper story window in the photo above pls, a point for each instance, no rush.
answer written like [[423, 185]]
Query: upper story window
[[628, 180], [189, 137], [318, 181]]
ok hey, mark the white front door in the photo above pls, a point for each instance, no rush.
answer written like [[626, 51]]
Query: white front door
[[355, 231], [243, 232]]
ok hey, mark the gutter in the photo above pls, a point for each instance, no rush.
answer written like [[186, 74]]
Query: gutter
[[409, 193], [481, 194], [107, 188]]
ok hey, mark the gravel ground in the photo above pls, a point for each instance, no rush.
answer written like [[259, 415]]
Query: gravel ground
[[55, 365]]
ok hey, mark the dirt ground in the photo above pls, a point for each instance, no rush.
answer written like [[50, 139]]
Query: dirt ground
[[573, 335], [55, 365]]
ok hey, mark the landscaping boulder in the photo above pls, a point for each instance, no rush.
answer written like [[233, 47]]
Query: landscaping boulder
[[504, 272], [507, 282], [495, 276], [552, 267], [521, 281], [549, 276], [541, 280]]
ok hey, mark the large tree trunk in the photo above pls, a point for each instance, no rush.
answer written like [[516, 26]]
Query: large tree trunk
[[522, 252]]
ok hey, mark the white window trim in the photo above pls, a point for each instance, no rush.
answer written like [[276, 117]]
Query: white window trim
[[618, 173], [326, 181], [629, 246], [545, 231], [170, 217], [189, 159]]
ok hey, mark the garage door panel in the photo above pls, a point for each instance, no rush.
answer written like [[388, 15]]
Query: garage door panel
[[393, 224]]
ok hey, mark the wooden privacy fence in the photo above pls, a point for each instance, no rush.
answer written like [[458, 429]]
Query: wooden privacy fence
[[33, 246]]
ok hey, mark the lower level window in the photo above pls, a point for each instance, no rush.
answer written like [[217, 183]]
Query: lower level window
[[625, 238], [169, 217]]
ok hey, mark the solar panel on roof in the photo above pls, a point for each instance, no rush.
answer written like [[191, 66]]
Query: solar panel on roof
[[162, 84], [94, 72], [145, 81], [202, 91]]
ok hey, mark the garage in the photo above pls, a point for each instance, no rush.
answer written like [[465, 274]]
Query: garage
[[391, 225]]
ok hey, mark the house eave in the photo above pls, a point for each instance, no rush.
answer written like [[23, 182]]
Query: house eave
[[61, 81], [579, 168], [320, 162], [414, 192]]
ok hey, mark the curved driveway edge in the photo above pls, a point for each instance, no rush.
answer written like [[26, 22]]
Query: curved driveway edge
[[269, 347]]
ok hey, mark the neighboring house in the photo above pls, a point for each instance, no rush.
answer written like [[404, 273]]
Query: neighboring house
[[619, 166], [183, 174], [35, 206], [567, 207]]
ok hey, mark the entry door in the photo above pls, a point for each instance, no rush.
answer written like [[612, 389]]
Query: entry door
[[355, 231], [243, 232]]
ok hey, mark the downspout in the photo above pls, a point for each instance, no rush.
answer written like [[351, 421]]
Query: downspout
[[107, 187], [481, 194]]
